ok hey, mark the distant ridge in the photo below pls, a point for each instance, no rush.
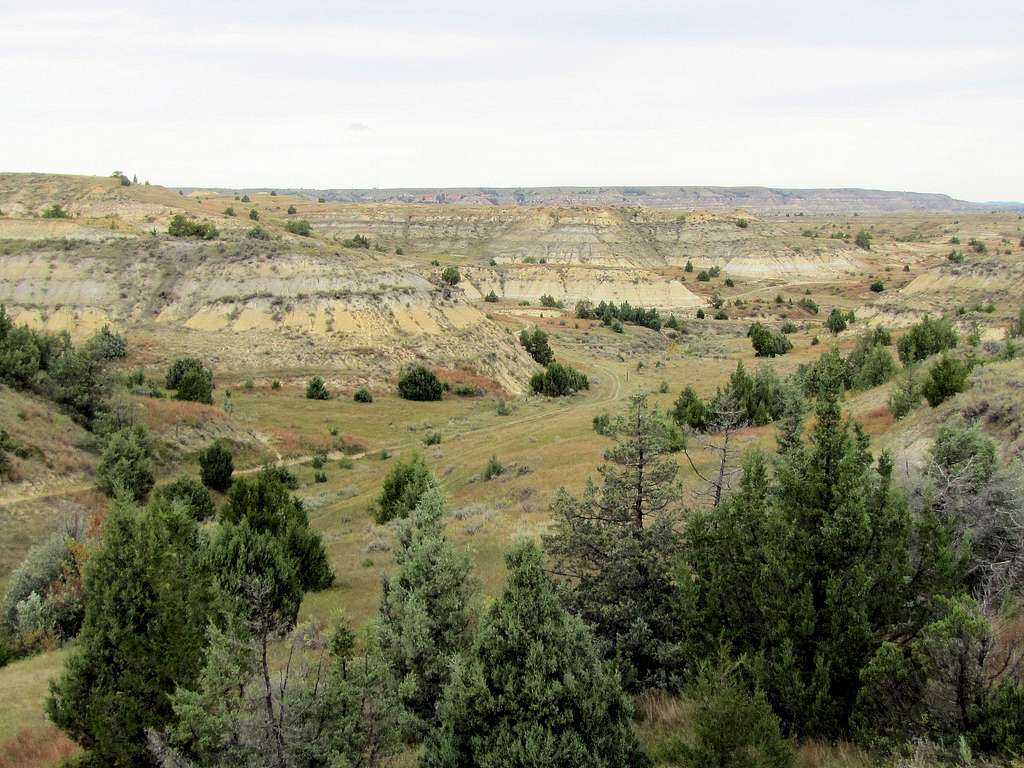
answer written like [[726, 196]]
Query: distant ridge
[[764, 200]]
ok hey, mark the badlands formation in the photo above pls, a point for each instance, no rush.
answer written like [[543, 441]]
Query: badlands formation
[[292, 304]]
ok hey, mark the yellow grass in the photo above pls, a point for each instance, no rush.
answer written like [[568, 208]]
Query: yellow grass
[[24, 685]]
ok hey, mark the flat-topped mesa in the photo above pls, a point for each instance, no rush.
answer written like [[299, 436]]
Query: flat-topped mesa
[[765, 200]]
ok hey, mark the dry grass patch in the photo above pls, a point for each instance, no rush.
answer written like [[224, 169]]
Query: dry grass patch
[[37, 748], [822, 754]]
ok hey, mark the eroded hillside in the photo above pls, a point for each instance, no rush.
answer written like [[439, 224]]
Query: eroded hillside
[[247, 305], [362, 293]]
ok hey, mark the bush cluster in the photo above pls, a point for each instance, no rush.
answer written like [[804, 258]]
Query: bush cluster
[[183, 226], [404, 485], [757, 400], [52, 367], [609, 312], [299, 227], [191, 379], [216, 466], [928, 337], [558, 380], [768, 343]]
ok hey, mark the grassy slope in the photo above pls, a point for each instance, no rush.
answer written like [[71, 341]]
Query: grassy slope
[[52, 483]]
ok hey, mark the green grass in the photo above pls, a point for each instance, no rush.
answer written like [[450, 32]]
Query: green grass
[[553, 438], [24, 685]]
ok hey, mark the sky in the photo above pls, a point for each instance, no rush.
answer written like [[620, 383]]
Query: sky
[[918, 96]]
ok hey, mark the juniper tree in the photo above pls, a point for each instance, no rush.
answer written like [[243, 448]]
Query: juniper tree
[[179, 368], [216, 466], [928, 337], [839, 515], [828, 376], [451, 275], [533, 689], [196, 385], [126, 464], [426, 610], [768, 343], [251, 572], [327, 706], [265, 504], [837, 321], [733, 726], [142, 637], [316, 389], [418, 383], [79, 380], [690, 410], [946, 378], [107, 345], [536, 343], [403, 488], [905, 394], [809, 568], [614, 547], [878, 367], [558, 380], [190, 494]]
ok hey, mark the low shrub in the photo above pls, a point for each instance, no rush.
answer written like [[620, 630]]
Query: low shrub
[[56, 211], [558, 380], [316, 389], [299, 227], [420, 384], [358, 241], [183, 226], [492, 469]]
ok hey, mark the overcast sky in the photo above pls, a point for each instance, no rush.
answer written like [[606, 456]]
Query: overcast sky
[[923, 96]]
